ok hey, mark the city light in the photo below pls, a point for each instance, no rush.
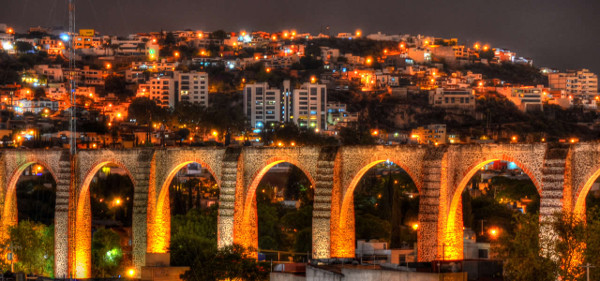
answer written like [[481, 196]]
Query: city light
[[358, 33], [494, 232], [415, 226], [131, 272], [117, 202], [313, 79]]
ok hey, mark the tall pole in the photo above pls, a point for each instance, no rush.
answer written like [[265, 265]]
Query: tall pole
[[72, 82]]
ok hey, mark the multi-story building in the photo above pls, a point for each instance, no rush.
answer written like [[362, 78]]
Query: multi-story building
[[90, 77], [306, 106], [54, 73], [86, 39], [526, 98], [310, 106], [432, 134], [577, 83], [452, 98], [338, 115], [168, 89], [262, 105], [161, 90], [192, 87]]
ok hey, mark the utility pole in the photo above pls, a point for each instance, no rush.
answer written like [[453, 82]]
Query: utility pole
[[72, 82], [587, 270]]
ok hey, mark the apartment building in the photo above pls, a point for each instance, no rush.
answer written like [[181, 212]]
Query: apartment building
[[578, 83], [168, 89], [262, 105], [310, 106], [192, 87], [451, 98], [306, 106], [526, 98]]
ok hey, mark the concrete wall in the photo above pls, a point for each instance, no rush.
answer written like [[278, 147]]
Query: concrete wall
[[364, 274]]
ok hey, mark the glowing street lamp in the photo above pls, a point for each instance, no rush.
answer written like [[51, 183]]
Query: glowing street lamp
[[494, 232], [313, 79], [358, 33], [131, 272], [415, 226]]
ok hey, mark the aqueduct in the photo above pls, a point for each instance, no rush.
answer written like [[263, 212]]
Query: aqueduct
[[563, 175]]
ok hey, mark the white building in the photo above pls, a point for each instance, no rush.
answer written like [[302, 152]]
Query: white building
[[525, 98], [262, 105], [577, 83], [452, 98], [168, 90], [310, 106], [306, 106], [192, 87], [35, 106], [54, 73]]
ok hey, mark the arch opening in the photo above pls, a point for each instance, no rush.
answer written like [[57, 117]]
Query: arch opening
[[186, 213], [379, 209], [104, 218], [483, 207], [28, 219], [278, 213], [588, 198]]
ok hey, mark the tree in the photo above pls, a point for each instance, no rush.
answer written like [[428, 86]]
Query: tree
[[33, 246], [39, 93], [23, 47], [106, 253], [228, 263], [118, 86], [145, 111], [521, 250], [569, 245]]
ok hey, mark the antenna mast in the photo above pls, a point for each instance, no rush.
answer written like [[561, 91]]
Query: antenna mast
[[72, 82]]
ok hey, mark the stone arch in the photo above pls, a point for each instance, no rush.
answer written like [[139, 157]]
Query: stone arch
[[159, 223], [248, 234], [345, 243], [9, 213], [579, 207], [83, 218], [349, 194], [452, 246]]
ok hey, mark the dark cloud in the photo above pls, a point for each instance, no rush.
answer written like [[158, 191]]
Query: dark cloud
[[555, 33]]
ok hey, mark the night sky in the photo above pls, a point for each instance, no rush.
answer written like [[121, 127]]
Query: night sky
[[555, 33]]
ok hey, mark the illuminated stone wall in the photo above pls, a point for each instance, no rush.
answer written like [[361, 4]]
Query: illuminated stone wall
[[137, 163], [562, 173], [255, 163], [463, 162], [353, 163]]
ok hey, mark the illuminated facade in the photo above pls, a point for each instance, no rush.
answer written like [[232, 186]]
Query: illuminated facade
[[562, 173]]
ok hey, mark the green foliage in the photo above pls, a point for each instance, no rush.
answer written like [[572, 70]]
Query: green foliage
[[36, 199], [106, 253], [513, 73], [145, 110], [570, 245], [520, 252], [371, 227], [228, 263], [202, 223], [105, 190], [118, 86], [33, 245], [290, 132], [187, 247]]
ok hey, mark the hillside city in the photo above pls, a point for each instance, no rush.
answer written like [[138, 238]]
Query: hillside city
[[196, 88], [216, 89]]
